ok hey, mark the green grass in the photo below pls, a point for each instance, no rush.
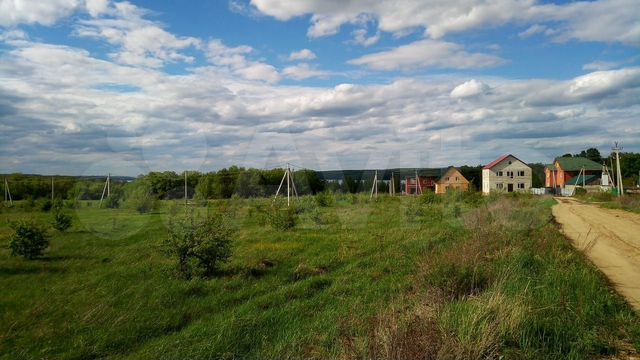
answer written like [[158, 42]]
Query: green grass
[[397, 277], [629, 202]]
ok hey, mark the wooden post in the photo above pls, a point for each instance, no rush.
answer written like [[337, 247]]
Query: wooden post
[[279, 187], [293, 185], [288, 186], [104, 190], [185, 188], [619, 172], [7, 192], [108, 184], [52, 188]]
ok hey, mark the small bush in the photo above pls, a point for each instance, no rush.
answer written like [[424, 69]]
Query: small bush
[[72, 204], [112, 202], [199, 246], [29, 239], [283, 218], [57, 204], [46, 205], [581, 191], [61, 221], [324, 198], [429, 197], [142, 200]]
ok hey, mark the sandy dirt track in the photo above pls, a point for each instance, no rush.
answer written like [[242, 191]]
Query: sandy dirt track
[[610, 238]]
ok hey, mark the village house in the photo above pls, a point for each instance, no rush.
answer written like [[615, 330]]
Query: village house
[[506, 173], [565, 170], [436, 180], [451, 180]]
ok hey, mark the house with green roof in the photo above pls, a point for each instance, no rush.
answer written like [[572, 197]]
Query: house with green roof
[[567, 171]]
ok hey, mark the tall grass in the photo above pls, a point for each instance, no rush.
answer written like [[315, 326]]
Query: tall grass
[[457, 276]]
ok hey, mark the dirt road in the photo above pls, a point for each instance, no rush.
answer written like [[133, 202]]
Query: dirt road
[[610, 238]]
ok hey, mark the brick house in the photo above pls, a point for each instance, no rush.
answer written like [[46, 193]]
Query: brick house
[[565, 170], [506, 173]]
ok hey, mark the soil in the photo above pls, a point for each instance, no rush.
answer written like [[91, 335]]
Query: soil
[[609, 238]]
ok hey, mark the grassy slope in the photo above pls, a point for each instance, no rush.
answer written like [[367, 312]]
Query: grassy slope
[[377, 281]]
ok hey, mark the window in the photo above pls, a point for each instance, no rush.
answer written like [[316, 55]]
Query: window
[[520, 185], [509, 162], [499, 173], [457, 178], [521, 173], [499, 186], [447, 179], [510, 174]]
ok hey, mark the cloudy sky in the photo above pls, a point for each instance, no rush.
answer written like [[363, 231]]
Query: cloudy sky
[[96, 86]]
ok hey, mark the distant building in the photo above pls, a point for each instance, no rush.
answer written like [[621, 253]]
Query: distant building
[[565, 170], [506, 173], [436, 180], [451, 180]]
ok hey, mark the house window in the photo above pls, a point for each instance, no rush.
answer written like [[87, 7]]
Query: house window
[[447, 179], [457, 178], [499, 186], [520, 185], [509, 162], [510, 174], [521, 173], [499, 173]]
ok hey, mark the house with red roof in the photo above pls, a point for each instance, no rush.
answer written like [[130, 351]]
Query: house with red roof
[[506, 173]]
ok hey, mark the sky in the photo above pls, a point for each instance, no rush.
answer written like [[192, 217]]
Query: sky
[[90, 87]]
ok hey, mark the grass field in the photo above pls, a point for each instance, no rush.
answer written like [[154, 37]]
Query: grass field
[[629, 202], [452, 277]]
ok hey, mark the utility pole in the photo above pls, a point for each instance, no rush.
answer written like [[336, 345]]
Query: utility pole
[[291, 186], [392, 186], [104, 190], [617, 149], [7, 193], [52, 188], [418, 187], [185, 188], [108, 184], [374, 186]]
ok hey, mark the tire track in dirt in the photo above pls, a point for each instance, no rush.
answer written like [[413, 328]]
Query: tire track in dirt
[[609, 238]]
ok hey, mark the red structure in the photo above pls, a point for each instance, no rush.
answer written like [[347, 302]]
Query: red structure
[[425, 183]]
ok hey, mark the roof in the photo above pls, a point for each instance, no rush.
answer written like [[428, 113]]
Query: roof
[[578, 179], [550, 167], [577, 163], [449, 170], [501, 159]]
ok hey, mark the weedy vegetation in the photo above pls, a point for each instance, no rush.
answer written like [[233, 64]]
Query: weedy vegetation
[[333, 276]]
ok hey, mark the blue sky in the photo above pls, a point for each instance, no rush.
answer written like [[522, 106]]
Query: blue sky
[[94, 86]]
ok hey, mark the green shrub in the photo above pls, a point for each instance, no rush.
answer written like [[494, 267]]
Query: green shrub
[[29, 239], [324, 198], [580, 191], [57, 204], [72, 204], [199, 246], [324, 218], [112, 202], [46, 205], [142, 200], [61, 221], [429, 197], [283, 218]]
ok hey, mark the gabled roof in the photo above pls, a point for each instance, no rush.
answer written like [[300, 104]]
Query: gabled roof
[[501, 159], [450, 169], [577, 163]]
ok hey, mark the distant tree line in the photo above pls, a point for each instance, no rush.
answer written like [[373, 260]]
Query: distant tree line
[[250, 182]]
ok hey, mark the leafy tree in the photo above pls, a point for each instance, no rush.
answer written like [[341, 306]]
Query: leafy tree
[[61, 221], [29, 239], [199, 246], [591, 154]]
